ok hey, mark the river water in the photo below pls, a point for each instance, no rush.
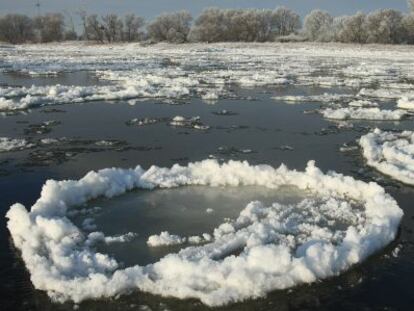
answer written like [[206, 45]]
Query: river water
[[258, 129]]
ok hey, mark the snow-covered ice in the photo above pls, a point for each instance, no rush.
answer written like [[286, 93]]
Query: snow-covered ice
[[406, 103], [127, 72], [164, 239], [339, 224], [14, 144], [391, 153], [354, 113]]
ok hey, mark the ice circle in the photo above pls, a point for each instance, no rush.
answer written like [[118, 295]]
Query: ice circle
[[264, 249]]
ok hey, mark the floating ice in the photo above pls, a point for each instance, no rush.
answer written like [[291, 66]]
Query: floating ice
[[363, 114], [129, 71], [324, 98], [14, 144], [164, 239], [406, 103], [192, 122], [363, 103], [391, 153], [343, 223]]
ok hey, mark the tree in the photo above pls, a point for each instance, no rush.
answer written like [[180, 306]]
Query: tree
[[171, 27], [112, 27], [209, 26], [93, 29], [408, 25], [50, 27], [411, 5], [317, 25], [132, 27], [16, 28], [285, 21], [353, 29], [385, 26]]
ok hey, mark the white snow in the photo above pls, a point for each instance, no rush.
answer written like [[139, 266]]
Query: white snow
[[127, 72], [164, 239], [14, 144], [363, 114], [406, 103], [341, 223], [362, 103], [391, 153], [96, 236]]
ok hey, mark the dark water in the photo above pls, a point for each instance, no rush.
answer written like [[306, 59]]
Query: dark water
[[265, 127]]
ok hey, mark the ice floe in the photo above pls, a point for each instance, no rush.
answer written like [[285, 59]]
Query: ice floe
[[165, 239], [352, 113], [406, 103], [14, 144], [341, 223], [391, 153], [128, 72]]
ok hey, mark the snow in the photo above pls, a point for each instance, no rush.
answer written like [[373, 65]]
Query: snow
[[14, 144], [128, 72], [190, 122], [362, 103], [164, 239], [340, 223], [391, 153], [406, 103], [96, 236], [363, 114]]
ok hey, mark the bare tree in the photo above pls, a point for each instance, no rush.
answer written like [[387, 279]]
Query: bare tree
[[171, 27], [317, 25], [132, 27], [70, 32], [50, 27], [16, 28], [285, 21], [93, 28], [112, 27], [384, 26]]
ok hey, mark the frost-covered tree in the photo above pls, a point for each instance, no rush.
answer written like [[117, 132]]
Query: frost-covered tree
[[112, 27], [353, 29], [318, 25], [214, 25], [132, 27], [411, 5], [209, 26], [408, 25], [170, 27], [384, 26], [16, 28], [285, 21], [50, 27]]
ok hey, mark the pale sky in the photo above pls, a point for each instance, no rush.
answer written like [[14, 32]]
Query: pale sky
[[151, 8]]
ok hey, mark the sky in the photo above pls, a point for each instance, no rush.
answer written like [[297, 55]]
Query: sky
[[151, 8]]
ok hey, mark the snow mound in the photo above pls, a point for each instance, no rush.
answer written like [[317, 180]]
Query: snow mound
[[363, 114], [391, 153], [345, 221]]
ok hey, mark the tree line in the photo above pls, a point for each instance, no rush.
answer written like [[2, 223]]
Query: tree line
[[216, 25]]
